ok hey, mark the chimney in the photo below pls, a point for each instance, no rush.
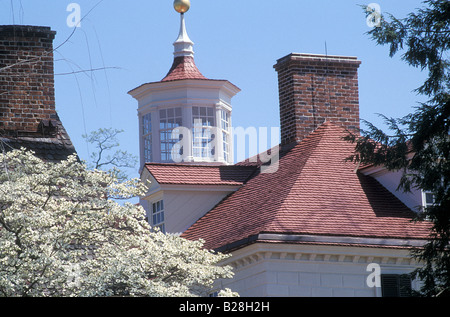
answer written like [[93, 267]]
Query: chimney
[[27, 96], [314, 89]]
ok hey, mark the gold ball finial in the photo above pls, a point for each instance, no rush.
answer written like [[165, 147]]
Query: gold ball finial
[[182, 6]]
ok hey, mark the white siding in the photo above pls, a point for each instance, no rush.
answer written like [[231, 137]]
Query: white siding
[[311, 271], [183, 208], [391, 180]]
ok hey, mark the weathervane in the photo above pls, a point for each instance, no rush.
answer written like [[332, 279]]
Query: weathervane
[[182, 6]]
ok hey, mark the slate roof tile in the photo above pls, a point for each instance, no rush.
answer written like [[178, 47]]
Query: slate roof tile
[[185, 174], [315, 191], [183, 68], [53, 148]]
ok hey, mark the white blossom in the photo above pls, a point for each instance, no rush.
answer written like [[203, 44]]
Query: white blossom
[[62, 233]]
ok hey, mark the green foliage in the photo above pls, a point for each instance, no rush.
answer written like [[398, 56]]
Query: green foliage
[[419, 143]]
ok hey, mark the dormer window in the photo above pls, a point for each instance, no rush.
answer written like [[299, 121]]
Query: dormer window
[[427, 199], [157, 220]]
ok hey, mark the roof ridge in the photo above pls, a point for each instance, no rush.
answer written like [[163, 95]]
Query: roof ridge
[[307, 148], [270, 204]]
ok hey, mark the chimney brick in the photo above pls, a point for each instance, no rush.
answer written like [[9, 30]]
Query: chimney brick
[[27, 94], [314, 89]]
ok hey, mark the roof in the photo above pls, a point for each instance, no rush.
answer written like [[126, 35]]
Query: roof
[[51, 148], [183, 67], [314, 192], [184, 174]]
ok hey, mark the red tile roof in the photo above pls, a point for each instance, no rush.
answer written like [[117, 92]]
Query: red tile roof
[[183, 67], [184, 174], [313, 192]]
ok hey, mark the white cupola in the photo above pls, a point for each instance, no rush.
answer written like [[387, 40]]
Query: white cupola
[[185, 117]]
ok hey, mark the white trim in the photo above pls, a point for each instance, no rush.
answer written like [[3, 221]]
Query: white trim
[[394, 242], [392, 261], [183, 46], [203, 188], [161, 86]]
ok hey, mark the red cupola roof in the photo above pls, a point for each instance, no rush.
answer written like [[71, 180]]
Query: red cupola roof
[[183, 67]]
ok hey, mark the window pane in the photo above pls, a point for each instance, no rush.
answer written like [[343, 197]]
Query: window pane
[[203, 119], [429, 198], [148, 148], [395, 285], [147, 123], [168, 122], [158, 215]]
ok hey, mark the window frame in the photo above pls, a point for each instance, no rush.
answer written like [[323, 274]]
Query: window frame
[[425, 203], [396, 285], [166, 127], [225, 124], [157, 211], [203, 134], [147, 137]]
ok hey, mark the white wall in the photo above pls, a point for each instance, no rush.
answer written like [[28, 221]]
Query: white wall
[[184, 208], [391, 180], [269, 270], [183, 204]]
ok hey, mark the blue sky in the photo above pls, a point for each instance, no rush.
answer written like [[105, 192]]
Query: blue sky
[[235, 40]]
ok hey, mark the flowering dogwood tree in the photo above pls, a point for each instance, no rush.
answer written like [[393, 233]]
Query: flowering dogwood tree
[[63, 233]]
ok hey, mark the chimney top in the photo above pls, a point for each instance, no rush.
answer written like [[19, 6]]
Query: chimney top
[[305, 56], [27, 95], [315, 88], [26, 29]]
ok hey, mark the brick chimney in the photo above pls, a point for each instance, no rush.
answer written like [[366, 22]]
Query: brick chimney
[[27, 96], [314, 89]]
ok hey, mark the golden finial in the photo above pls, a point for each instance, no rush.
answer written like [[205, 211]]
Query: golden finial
[[182, 6]]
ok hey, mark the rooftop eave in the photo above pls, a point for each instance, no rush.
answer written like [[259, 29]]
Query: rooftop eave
[[372, 169], [377, 242], [148, 88]]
